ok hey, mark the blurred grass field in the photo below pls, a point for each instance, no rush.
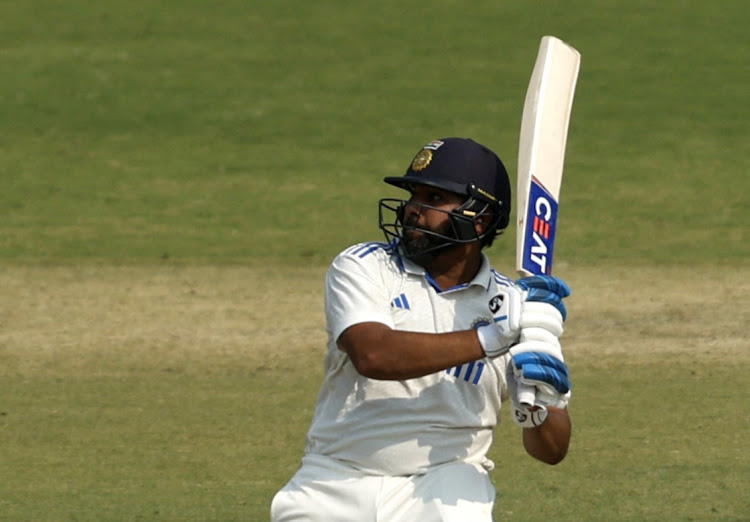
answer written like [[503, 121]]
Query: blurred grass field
[[175, 176]]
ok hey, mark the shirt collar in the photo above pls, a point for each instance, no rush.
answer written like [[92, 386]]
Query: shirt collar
[[482, 278]]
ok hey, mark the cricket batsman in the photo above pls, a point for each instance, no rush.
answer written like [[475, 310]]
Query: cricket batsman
[[427, 345]]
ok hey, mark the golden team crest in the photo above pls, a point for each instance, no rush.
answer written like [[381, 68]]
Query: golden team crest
[[421, 160]]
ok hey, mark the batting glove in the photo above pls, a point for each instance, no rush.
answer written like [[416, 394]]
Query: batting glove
[[534, 306], [538, 380], [541, 304], [543, 371], [546, 289], [496, 338], [539, 375]]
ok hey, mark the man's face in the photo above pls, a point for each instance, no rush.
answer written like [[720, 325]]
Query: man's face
[[435, 220]]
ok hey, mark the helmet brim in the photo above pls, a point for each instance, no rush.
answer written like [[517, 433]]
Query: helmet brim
[[405, 182]]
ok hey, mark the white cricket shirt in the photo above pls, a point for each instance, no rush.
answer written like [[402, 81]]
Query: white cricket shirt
[[407, 427]]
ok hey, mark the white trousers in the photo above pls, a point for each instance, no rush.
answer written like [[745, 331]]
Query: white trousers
[[324, 490]]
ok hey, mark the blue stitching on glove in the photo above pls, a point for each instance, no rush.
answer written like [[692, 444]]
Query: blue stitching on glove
[[545, 282], [546, 289], [542, 367]]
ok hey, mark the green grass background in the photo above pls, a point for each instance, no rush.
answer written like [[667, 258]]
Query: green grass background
[[191, 133], [217, 132]]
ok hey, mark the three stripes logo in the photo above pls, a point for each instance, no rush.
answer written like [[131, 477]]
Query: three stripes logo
[[470, 372], [401, 302]]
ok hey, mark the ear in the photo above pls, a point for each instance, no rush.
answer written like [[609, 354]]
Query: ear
[[481, 223]]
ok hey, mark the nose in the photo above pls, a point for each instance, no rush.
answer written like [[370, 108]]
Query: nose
[[412, 209]]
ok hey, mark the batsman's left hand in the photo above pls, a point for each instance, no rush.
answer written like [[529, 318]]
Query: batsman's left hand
[[546, 373], [537, 362], [548, 376]]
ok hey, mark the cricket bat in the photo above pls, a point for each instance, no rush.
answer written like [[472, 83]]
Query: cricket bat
[[541, 155]]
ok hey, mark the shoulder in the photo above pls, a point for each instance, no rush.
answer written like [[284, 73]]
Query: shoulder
[[370, 257], [370, 249], [371, 253], [501, 279]]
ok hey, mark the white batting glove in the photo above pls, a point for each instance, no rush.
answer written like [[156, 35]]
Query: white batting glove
[[540, 339], [545, 289], [528, 417], [496, 339], [534, 309], [536, 315], [547, 374], [540, 378], [530, 396], [527, 321], [493, 340]]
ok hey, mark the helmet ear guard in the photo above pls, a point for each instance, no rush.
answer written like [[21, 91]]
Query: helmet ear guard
[[464, 219], [479, 204]]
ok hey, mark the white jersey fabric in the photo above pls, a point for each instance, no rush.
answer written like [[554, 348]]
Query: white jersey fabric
[[412, 426]]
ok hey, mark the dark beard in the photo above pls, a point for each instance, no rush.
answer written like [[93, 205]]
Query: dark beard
[[424, 248]]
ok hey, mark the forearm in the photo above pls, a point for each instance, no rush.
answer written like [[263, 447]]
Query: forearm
[[549, 442], [379, 352]]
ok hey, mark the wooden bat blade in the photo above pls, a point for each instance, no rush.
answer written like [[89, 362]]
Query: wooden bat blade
[[541, 153]]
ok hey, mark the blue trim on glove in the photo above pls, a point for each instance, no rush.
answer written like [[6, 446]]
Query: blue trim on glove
[[542, 367], [545, 282], [546, 289]]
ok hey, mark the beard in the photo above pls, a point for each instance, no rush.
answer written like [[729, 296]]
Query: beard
[[423, 247]]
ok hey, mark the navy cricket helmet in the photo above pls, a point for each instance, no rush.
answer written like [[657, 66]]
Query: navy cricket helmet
[[462, 166]]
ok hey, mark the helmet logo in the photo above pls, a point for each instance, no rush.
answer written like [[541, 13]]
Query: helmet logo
[[424, 157], [421, 160]]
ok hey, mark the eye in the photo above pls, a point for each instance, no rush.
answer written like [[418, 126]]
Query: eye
[[435, 198]]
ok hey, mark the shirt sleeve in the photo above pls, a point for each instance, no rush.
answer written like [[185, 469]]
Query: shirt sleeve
[[355, 293]]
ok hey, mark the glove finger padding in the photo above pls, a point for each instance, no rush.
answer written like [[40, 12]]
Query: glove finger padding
[[546, 399], [523, 413], [541, 315], [542, 370], [550, 348], [546, 289], [545, 282], [541, 335]]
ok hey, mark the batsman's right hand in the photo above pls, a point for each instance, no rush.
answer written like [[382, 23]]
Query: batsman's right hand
[[536, 312], [540, 312], [546, 289]]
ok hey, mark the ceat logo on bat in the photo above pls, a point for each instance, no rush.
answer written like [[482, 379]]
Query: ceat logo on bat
[[541, 219]]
